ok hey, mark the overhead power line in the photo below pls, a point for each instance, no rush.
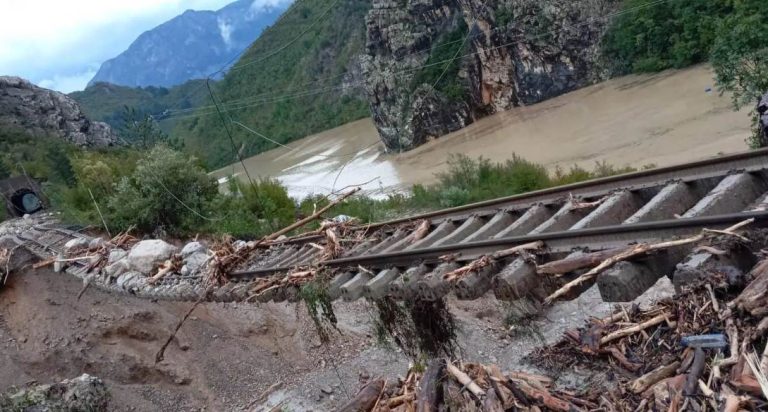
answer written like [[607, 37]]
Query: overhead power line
[[238, 106], [242, 51]]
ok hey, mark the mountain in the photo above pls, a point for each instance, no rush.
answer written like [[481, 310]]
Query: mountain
[[39, 112], [419, 68], [189, 46], [301, 76]]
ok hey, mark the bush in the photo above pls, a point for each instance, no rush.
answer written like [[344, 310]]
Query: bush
[[251, 211], [167, 192], [469, 180]]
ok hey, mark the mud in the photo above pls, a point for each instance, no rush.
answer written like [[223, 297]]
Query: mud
[[662, 119], [228, 356]]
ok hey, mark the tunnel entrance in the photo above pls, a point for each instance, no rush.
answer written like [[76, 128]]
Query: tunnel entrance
[[21, 196]]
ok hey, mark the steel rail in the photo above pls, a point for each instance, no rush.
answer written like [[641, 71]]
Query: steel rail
[[686, 172], [562, 241]]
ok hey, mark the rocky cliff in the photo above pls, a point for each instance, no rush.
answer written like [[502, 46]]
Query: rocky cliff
[[43, 112], [434, 66], [189, 46]]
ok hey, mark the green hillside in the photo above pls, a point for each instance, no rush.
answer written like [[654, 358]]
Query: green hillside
[[106, 102], [274, 88]]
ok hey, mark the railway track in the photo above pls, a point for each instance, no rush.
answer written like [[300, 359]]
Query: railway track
[[599, 215], [407, 258]]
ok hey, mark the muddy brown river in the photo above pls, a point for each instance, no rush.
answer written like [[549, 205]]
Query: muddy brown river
[[665, 118]]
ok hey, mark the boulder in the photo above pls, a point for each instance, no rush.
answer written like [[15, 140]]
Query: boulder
[[193, 263], [191, 248], [116, 255], [124, 279], [77, 244], [96, 243], [116, 269], [84, 393], [147, 254]]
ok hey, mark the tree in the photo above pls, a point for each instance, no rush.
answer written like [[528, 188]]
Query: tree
[[142, 131], [167, 191], [61, 166], [740, 53], [740, 59]]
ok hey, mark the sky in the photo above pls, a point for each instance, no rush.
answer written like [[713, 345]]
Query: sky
[[61, 44]]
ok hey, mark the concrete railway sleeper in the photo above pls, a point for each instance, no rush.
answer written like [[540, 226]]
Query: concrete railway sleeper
[[395, 259], [524, 278]]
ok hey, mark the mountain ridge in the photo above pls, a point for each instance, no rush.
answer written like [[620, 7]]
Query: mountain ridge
[[189, 46]]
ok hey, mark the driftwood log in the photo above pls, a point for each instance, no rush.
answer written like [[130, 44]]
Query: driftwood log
[[366, 399], [754, 298], [587, 260], [430, 383], [651, 378]]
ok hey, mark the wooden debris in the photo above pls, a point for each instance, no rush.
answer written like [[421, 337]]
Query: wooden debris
[[366, 398], [634, 329], [225, 258], [754, 298], [637, 250], [668, 356], [464, 379], [488, 260], [586, 260], [429, 385], [651, 378], [421, 231], [447, 385]]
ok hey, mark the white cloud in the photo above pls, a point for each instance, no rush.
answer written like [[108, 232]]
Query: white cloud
[[58, 41], [67, 84]]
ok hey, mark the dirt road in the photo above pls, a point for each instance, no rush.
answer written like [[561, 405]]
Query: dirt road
[[661, 119]]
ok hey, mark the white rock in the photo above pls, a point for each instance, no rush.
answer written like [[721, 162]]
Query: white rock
[[76, 244], [662, 289], [96, 243], [239, 244], [147, 254], [192, 247], [116, 255], [195, 262], [116, 269], [26, 216]]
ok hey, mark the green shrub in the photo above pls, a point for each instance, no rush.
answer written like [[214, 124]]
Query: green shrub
[[468, 180], [252, 211], [167, 192]]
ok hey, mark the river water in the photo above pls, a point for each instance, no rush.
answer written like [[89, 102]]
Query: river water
[[662, 119]]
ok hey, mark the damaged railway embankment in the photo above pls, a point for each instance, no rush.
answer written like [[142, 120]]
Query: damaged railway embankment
[[695, 223], [703, 349]]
